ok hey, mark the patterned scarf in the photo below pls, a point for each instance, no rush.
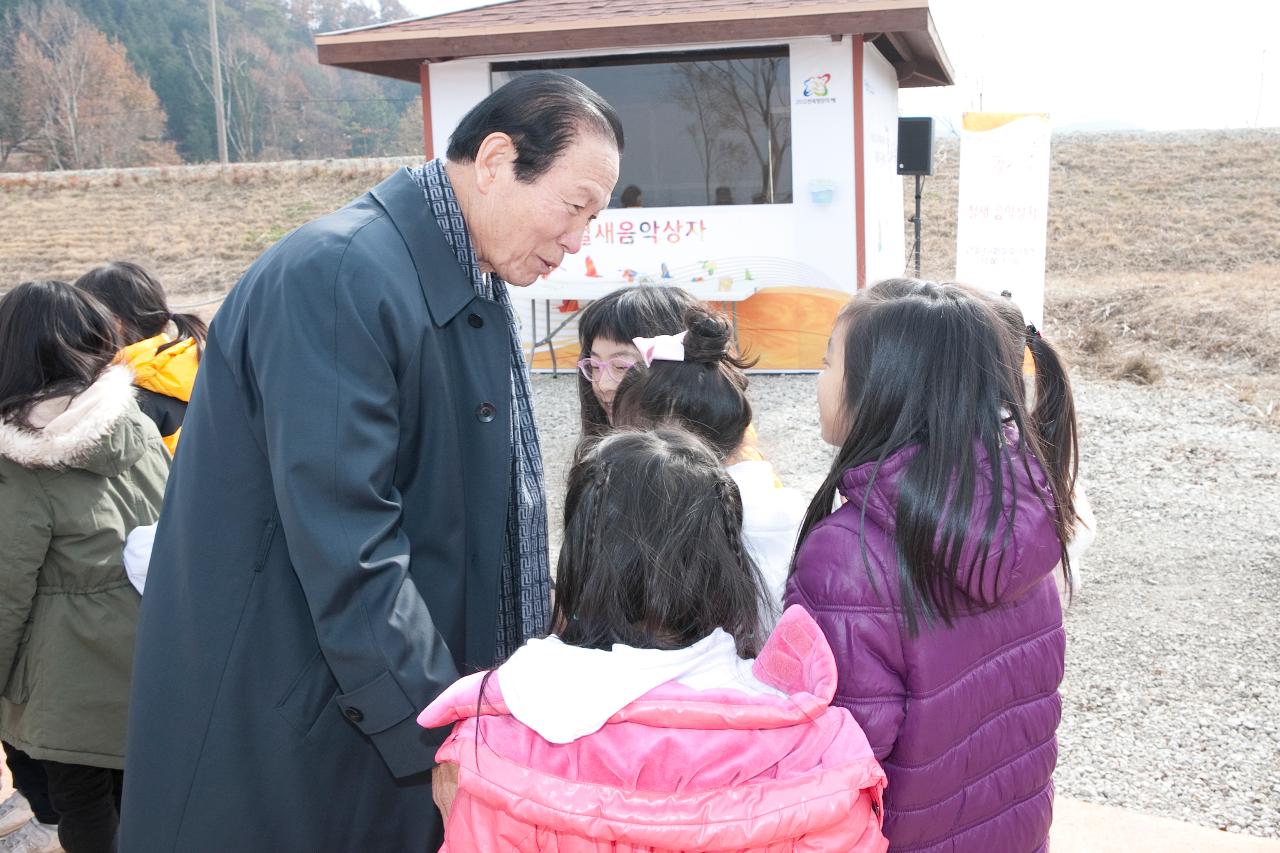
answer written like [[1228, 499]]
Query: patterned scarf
[[524, 599]]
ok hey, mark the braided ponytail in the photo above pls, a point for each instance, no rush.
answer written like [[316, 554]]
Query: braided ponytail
[[652, 555]]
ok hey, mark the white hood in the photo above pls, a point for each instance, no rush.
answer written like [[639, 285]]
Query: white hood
[[771, 519], [564, 692], [65, 430]]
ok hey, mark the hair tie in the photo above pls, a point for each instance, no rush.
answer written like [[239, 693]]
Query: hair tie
[[1032, 331], [661, 348]]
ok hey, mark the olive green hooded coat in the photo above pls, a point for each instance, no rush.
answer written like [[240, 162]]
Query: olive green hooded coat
[[91, 469]]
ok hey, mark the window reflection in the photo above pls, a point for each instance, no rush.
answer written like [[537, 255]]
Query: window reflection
[[702, 128]]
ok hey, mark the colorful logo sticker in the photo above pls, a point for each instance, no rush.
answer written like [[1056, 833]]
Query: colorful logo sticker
[[816, 86]]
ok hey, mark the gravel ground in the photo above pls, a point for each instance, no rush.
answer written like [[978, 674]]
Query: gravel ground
[[1172, 693]]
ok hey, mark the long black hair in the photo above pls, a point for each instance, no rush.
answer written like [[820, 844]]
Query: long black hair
[[626, 313], [705, 394], [55, 340], [929, 366], [139, 303], [652, 554], [1052, 407]]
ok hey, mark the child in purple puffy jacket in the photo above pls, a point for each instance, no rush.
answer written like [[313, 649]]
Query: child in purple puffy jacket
[[927, 557]]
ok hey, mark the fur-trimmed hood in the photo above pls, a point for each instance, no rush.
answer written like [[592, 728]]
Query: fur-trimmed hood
[[90, 430]]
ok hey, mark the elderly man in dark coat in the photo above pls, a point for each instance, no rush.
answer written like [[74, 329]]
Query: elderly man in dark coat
[[357, 513]]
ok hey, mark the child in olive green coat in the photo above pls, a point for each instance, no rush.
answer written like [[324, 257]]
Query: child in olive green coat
[[80, 467]]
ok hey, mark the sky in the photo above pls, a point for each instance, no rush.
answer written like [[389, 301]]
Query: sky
[[1099, 64], [1129, 62]]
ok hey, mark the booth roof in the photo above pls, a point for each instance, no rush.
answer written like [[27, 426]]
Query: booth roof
[[903, 30]]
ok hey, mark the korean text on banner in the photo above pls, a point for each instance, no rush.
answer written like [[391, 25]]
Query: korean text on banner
[[1004, 206]]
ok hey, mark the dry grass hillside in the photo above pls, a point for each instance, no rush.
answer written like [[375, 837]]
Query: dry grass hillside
[[198, 227], [1163, 255], [1164, 249], [1138, 202]]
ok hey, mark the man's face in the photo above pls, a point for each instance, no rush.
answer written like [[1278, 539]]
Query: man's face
[[526, 229]]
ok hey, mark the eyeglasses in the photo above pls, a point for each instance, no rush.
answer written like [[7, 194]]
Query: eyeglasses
[[615, 368]]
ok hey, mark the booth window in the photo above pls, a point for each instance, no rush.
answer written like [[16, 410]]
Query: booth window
[[702, 128]]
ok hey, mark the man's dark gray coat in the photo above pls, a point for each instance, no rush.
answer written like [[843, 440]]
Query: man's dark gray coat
[[327, 558]]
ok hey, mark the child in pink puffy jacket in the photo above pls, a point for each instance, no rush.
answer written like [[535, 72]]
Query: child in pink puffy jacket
[[653, 719]]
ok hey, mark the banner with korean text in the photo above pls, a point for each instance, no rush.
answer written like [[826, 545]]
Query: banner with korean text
[[724, 255], [1003, 214]]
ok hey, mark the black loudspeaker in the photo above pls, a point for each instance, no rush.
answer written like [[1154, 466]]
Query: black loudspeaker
[[915, 146]]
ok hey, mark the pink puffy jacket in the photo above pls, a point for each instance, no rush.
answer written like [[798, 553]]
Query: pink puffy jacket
[[676, 770]]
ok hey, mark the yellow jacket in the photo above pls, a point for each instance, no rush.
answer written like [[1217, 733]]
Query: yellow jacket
[[750, 451], [171, 372]]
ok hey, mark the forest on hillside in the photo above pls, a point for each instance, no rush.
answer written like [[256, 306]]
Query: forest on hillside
[[89, 84]]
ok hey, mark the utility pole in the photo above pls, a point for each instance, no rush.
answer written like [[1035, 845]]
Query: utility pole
[[218, 111]]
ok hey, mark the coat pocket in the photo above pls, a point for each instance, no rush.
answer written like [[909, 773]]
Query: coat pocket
[[265, 539], [309, 695], [18, 688]]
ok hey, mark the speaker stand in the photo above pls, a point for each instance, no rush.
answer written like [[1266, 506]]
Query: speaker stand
[[915, 249]]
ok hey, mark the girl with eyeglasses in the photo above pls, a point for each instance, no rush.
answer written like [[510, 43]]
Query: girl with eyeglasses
[[605, 334]]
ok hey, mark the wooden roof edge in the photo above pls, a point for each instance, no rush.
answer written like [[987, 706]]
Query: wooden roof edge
[[396, 30], [400, 69], [944, 61], [910, 25], [656, 35]]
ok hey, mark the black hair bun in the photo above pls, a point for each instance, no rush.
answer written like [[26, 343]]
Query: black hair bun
[[710, 336]]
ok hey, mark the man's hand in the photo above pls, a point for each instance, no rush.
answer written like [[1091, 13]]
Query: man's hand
[[444, 787]]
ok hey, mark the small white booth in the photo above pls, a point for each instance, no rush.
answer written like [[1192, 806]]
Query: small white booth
[[761, 144]]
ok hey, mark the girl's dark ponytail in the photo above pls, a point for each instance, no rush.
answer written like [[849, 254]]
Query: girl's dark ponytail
[[189, 326], [1053, 420], [706, 393], [138, 302], [709, 339]]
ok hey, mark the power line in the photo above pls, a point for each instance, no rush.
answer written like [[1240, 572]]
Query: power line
[[336, 100]]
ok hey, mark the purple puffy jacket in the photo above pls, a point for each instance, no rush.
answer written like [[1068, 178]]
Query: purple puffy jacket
[[963, 719]]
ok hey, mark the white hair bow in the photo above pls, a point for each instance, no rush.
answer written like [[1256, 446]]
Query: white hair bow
[[661, 348]]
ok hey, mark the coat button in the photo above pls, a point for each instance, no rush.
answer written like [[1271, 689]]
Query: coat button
[[475, 320], [486, 412], [355, 715]]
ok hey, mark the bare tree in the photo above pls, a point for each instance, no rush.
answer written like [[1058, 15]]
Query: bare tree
[[91, 107], [746, 96], [52, 65], [706, 128], [408, 139], [19, 118], [243, 55], [751, 89]]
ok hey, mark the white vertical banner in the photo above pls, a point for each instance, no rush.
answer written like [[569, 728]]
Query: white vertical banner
[[886, 250], [1003, 218]]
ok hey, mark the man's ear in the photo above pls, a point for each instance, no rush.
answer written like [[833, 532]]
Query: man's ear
[[495, 152]]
